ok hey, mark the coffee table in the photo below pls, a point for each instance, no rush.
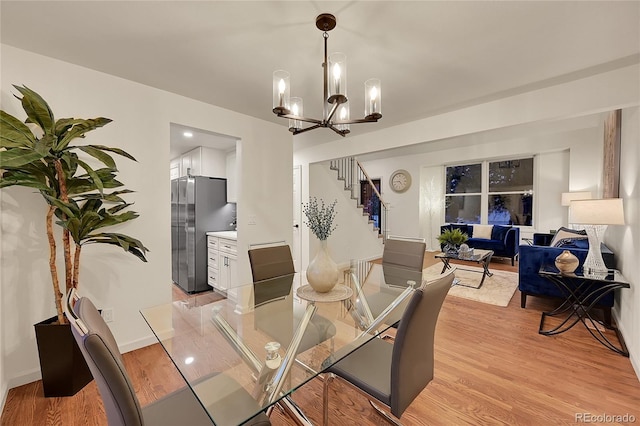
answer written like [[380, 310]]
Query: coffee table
[[481, 257]]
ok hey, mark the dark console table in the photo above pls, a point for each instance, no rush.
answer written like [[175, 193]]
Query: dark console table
[[581, 294]]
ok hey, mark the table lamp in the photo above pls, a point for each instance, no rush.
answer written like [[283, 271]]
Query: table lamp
[[596, 215], [568, 197]]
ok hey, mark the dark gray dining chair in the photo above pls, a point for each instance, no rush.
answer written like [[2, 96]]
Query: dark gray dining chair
[[118, 395], [273, 272], [405, 252], [400, 255], [395, 373], [268, 263]]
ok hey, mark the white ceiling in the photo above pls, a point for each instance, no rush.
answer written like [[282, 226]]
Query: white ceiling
[[431, 56]]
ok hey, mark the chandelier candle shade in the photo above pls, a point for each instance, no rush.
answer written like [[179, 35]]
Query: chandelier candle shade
[[596, 215], [335, 98], [281, 94], [296, 109]]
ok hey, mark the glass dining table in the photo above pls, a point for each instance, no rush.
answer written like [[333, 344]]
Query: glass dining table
[[253, 360]]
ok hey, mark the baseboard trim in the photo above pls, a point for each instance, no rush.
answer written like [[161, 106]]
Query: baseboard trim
[[23, 379], [35, 375], [4, 391], [635, 363], [139, 343]]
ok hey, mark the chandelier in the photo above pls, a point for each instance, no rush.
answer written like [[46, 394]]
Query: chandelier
[[335, 102]]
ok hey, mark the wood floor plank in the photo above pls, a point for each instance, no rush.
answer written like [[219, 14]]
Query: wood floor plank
[[491, 368]]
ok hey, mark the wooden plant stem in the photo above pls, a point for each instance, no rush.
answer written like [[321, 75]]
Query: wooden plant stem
[[76, 266], [66, 242], [52, 265]]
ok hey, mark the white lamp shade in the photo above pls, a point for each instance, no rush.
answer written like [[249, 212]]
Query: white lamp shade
[[607, 211], [567, 197]]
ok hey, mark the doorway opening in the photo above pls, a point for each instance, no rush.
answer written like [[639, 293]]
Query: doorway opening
[[371, 202]]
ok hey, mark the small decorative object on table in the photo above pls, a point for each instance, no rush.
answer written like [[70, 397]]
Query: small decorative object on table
[[465, 252], [451, 239], [322, 272], [567, 262]]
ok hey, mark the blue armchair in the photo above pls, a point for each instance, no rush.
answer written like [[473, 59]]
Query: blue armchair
[[504, 240], [534, 256]]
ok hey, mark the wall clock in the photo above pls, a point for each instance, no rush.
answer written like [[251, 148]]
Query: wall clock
[[400, 181]]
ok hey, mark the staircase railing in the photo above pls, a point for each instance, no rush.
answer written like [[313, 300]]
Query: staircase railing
[[353, 174]]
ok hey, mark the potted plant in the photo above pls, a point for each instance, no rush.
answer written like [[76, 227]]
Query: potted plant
[[451, 239], [322, 272], [38, 153]]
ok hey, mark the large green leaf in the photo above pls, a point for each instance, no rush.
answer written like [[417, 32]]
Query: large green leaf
[[95, 178], [91, 205], [79, 129], [37, 170], [44, 145], [88, 222], [113, 197], [99, 154], [114, 150], [77, 186], [69, 209], [17, 157], [64, 124], [22, 179], [111, 220], [37, 109], [119, 207], [128, 244], [14, 133], [73, 226]]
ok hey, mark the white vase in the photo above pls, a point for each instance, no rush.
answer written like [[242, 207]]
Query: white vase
[[322, 273]]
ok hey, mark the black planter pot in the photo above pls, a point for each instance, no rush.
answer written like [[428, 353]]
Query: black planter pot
[[64, 370]]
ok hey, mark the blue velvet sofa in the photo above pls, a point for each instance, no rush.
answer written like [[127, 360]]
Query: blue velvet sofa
[[504, 240], [532, 257]]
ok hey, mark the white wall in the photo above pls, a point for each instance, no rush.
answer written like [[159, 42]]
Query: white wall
[[625, 240], [141, 119]]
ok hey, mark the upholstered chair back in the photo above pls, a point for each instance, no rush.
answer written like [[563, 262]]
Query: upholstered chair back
[[413, 349]]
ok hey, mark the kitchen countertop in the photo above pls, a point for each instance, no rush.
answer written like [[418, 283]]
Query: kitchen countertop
[[231, 235]]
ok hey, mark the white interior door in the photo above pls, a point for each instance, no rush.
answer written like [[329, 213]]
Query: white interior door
[[297, 221]]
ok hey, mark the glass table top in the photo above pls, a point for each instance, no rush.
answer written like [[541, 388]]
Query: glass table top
[[477, 256], [282, 342], [611, 276]]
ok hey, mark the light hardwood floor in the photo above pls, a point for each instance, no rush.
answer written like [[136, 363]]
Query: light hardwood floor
[[492, 367]]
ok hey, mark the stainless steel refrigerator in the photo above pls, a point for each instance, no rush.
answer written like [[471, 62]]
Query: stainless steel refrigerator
[[198, 205]]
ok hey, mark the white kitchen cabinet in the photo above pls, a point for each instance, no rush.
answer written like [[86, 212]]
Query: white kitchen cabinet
[[231, 177], [174, 168], [222, 256], [228, 264], [203, 161], [185, 165]]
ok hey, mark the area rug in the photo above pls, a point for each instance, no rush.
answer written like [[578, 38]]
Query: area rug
[[496, 290]]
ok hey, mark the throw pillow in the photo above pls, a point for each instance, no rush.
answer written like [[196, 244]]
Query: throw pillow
[[482, 231], [461, 226], [567, 234], [499, 232], [569, 243]]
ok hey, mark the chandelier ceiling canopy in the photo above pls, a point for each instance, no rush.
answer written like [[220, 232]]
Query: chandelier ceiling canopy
[[335, 101]]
